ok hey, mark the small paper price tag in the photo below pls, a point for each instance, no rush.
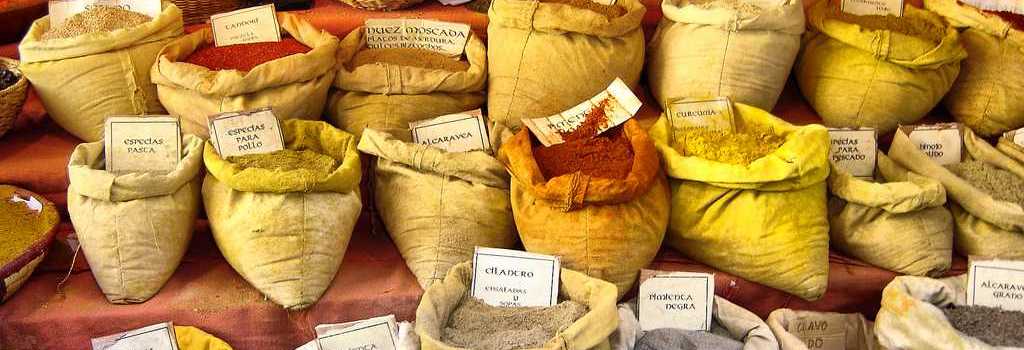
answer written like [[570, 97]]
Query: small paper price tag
[[1014, 6], [461, 132], [854, 150], [820, 331], [1015, 136], [996, 283], [942, 142], [872, 7], [147, 144], [256, 24], [378, 333], [241, 133], [508, 278], [155, 337], [618, 102], [714, 114], [681, 300], [442, 37], [61, 10]]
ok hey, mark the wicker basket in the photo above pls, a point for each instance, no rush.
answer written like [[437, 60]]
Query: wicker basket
[[381, 5], [14, 273], [199, 11], [12, 98]]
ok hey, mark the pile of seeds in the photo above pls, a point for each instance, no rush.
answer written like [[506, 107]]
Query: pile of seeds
[[609, 11], [994, 326], [96, 19], [739, 148], [912, 26], [245, 57], [407, 57], [745, 8], [998, 183], [475, 325], [316, 165]]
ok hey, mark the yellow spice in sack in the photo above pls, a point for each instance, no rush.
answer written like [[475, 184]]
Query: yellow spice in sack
[[912, 26], [409, 58], [20, 227], [96, 19], [316, 164], [739, 148]]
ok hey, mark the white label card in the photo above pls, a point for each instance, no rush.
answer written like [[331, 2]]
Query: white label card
[[142, 144], [256, 24], [155, 337], [241, 133], [854, 150], [512, 278], [61, 10], [442, 37], [943, 143], [873, 7], [820, 331], [681, 300], [996, 283], [1016, 136], [714, 114], [619, 104], [461, 132], [1015, 6], [378, 333]]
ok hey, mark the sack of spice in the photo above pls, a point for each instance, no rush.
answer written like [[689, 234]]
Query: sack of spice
[[988, 96], [876, 71], [196, 79], [751, 202], [732, 327], [987, 192], [283, 220], [583, 320], [388, 88], [601, 204], [803, 330], [97, 65], [546, 56], [864, 214], [28, 224], [438, 206], [114, 216], [754, 48], [193, 338]]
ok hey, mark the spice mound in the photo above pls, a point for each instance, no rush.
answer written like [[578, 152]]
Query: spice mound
[[745, 8], [245, 57], [20, 227], [475, 325], [316, 165], [609, 156], [7, 78], [740, 148], [609, 11], [911, 26], [994, 326], [409, 58], [99, 18], [998, 183], [678, 339]]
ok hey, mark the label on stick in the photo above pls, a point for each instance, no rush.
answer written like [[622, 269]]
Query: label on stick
[[676, 300], [241, 133], [460, 132], [714, 114], [617, 102], [256, 24], [854, 150], [996, 283], [445, 38], [378, 333], [872, 7], [142, 144], [508, 278], [820, 331], [61, 10], [942, 142], [156, 337]]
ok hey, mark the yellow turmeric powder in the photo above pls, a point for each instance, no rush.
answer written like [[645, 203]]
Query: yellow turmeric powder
[[407, 57], [739, 148], [316, 165], [21, 227], [912, 26]]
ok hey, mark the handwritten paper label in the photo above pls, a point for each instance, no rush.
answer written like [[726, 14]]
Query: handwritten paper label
[[1014, 6], [996, 283], [1015, 136], [310, 345], [61, 10], [943, 142], [442, 37], [618, 102], [155, 337], [714, 114], [854, 150], [873, 7], [31, 202], [378, 333], [820, 331], [148, 144], [461, 132], [241, 133], [256, 24], [507, 278], [676, 300]]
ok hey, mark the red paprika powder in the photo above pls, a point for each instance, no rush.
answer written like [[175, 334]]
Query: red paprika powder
[[245, 57], [608, 155]]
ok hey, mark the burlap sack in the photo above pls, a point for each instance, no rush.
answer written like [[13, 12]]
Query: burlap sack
[[766, 221], [134, 227], [988, 96], [854, 76], [728, 320], [1011, 149], [984, 226], [720, 51], [834, 331], [386, 96], [911, 319], [85, 79], [547, 57], [589, 332], [606, 228], [16, 270], [863, 216], [294, 86], [439, 206], [283, 234]]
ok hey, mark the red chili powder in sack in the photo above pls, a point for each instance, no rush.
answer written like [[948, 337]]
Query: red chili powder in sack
[[244, 57], [608, 155]]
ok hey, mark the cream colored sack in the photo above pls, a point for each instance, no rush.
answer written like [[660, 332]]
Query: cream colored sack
[[294, 86], [387, 96], [984, 226], [85, 79], [804, 330], [439, 206], [911, 319], [547, 57], [723, 51], [133, 227], [728, 320], [898, 224], [988, 96], [589, 332]]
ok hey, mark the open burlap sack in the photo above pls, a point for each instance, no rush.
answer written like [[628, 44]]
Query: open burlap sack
[[728, 320], [588, 332], [284, 233], [547, 57], [864, 215], [295, 87], [85, 79], [722, 51], [387, 96], [15, 269], [856, 76], [134, 227], [766, 221], [988, 96], [834, 331], [606, 228], [439, 206], [911, 319], [985, 226]]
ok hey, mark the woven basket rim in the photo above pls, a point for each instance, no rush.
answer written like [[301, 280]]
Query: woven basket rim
[[38, 248]]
